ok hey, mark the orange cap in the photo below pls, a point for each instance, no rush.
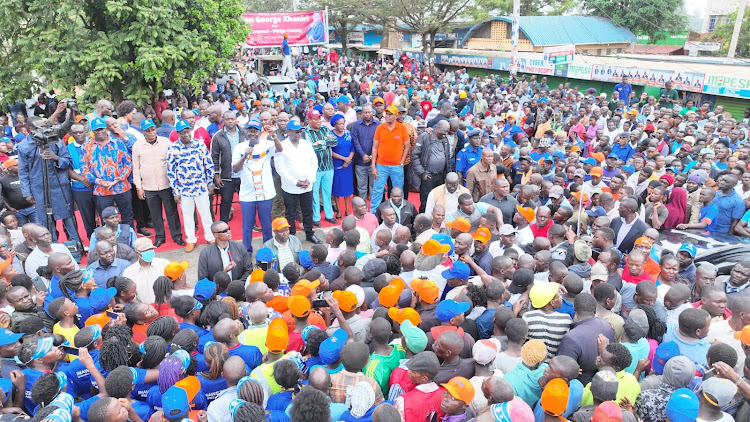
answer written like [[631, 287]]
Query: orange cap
[[191, 385], [461, 224], [433, 247], [643, 240], [278, 304], [304, 287], [10, 163], [742, 335], [461, 389], [174, 269], [5, 264], [100, 319], [346, 299], [527, 212], [597, 171], [389, 294], [257, 275], [279, 223], [575, 148], [555, 397], [277, 337], [392, 109], [482, 234], [401, 315], [581, 196], [426, 289], [598, 156], [379, 100], [299, 306]]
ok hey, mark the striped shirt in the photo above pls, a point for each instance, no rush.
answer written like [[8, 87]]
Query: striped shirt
[[322, 140], [550, 328]]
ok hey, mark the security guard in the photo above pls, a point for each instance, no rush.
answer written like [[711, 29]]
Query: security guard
[[469, 154]]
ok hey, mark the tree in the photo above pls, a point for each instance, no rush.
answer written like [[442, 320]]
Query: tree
[[723, 34], [112, 49], [653, 18], [544, 7]]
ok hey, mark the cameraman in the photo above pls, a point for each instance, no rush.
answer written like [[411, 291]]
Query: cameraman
[[31, 158]]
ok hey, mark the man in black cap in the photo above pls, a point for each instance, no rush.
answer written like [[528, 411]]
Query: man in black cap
[[519, 288], [425, 398], [111, 218]]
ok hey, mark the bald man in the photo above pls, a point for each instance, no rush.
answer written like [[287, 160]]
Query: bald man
[[446, 195], [233, 371]]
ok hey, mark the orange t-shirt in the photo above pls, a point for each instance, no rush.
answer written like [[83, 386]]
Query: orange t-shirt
[[391, 143]]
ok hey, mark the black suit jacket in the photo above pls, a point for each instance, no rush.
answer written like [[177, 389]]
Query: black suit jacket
[[635, 232], [209, 261]]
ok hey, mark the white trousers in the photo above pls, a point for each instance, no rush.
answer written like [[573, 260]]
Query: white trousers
[[203, 203], [286, 67]]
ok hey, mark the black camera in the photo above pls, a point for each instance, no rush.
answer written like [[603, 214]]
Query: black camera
[[72, 105], [44, 134]]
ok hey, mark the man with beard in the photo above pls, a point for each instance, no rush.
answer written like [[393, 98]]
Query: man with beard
[[446, 195], [24, 307]]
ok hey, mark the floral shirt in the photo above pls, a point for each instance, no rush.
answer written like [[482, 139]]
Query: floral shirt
[[106, 163], [189, 168]]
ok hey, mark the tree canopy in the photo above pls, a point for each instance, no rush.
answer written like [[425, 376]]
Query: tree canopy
[[723, 34], [115, 49], [653, 18]]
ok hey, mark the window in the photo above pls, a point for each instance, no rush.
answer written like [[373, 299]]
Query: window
[[716, 20]]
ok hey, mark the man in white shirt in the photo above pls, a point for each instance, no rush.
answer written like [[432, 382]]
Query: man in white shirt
[[252, 160], [44, 248], [297, 166], [146, 270]]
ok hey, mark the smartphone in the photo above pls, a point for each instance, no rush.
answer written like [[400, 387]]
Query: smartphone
[[112, 314], [69, 350], [319, 303]]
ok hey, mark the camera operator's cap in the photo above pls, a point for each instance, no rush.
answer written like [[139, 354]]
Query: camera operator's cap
[[689, 248], [147, 124], [299, 306], [109, 212], [279, 223], [718, 391], [174, 269], [256, 275], [175, 402], [427, 290], [277, 337], [182, 125], [461, 389], [683, 406], [330, 348], [264, 255], [416, 339], [459, 270], [447, 309], [293, 125], [204, 289], [97, 123], [9, 337], [304, 287], [347, 300], [100, 297]]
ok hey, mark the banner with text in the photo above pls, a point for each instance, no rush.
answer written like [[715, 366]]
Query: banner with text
[[729, 86], [302, 28]]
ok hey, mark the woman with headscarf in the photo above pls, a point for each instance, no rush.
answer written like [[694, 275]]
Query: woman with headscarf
[[677, 207], [679, 371]]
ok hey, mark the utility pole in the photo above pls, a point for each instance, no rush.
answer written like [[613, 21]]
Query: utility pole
[[736, 32], [513, 68]]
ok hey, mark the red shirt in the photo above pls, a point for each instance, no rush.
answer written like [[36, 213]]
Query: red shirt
[[541, 231], [635, 279]]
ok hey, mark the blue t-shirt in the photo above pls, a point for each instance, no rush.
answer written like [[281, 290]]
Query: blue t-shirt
[[205, 338], [86, 405], [624, 91], [212, 388], [566, 308], [694, 350], [31, 376], [250, 354], [730, 206], [142, 409], [140, 391], [708, 215], [79, 378], [485, 323]]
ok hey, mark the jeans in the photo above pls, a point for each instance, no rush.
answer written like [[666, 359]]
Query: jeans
[[396, 173], [87, 207], [227, 195], [188, 214], [364, 178], [305, 202], [249, 209], [155, 200], [26, 215], [324, 182], [124, 205]]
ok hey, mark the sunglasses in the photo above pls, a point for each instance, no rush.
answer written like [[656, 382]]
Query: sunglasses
[[223, 231]]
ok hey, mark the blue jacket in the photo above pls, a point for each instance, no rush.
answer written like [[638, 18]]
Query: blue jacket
[[362, 137], [30, 175]]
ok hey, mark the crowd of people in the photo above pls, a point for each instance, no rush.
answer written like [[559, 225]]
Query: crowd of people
[[470, 222]]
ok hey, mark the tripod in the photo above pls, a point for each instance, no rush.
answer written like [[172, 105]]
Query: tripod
[[48, 209]]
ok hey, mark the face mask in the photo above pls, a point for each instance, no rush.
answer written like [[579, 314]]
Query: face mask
[[148, 256]]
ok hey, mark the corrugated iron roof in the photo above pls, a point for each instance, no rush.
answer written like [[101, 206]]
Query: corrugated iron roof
[[559, 30]]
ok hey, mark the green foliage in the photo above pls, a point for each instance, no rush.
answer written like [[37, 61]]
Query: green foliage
[[723, 34], [115, 49], [653, 18], [545, 7]]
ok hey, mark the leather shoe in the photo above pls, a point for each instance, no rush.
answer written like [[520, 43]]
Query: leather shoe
[[143, 232], [180, 242], [332, 220], [316, 223], [314, 240], [158, 242], [189, 247]]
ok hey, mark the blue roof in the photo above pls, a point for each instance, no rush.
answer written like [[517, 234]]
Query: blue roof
[[559, 30]]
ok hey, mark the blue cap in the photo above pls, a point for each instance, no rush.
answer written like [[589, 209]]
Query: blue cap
[[343, 99], [674, 169], [147, 124], [96, 332], [683, 406], [234, 405], [19, 137], [318, 108], [306, 332], [330, 348], [59, 415], [254, 124], [6, 139], [447, 309], [358, 109], [264, 255], [542, 100], [664, 352], [43, 346], [624, 135], [184, 358], [444, 239], [99, 298], [558, 154], [174, 402], [458, 270], [590, 160], [9, 337], [629, 168], [474, 132], [304, 259], [597, 211], [198, 305], [97, 123], [293, 125], [204, 289], [182, 125], [689, 248], [62, 379], [63, 401]]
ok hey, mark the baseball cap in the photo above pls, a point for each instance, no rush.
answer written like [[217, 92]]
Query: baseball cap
[[590, 161], [100, 297], [484, 351], [604, 384], [277, 336], [527, 212], [391, 109], [304, 287], [293, 125], [718, 391], [256, 276], [743, 335], [643, 240], [444, 239], [447, 309], [101, 319], [405, 314], [10, 163], [98, 123], [304, 259], [254, 124], [425, 362], [482, 234], [415, 337], [264, 255], [347, 300], [555, 397], [689, 248], [174, 269], [182, 125], [143, 244], [9, 337], [109, 212], [542, 293], [278, 304], [597, 211], [330, 348], [581, 250], [515, 410], [460, 388], [664, 352], [607, 411], [43, 346], [433, 247], [378, 100], [359, 293], [556, 191], [313, 114], [343, 99], [682, 406], [686, 147], [279, 223], [427, 290], [599, 272], [597, 171], [390, 294], [459, 270], [522, 278], [175, 402], [204, 289], [579, 173], [507, 229], [299, 306], [147, 124], [461, 224]]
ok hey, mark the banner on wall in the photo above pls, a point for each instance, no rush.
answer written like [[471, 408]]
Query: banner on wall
[[729, 86], [302, 28], [537, 66]]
